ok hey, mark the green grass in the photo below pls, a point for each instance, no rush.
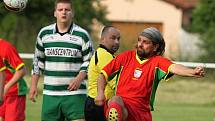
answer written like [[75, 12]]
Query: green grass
[[33, 110], [185, 99], [182, 112], [179, 99]]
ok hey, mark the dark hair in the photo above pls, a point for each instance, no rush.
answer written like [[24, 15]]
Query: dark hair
[[63, 1]]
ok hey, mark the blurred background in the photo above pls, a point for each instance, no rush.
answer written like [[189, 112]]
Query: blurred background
[[188, 27]]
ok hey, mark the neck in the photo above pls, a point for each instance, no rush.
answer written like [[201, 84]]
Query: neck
[[63, 27], [105, 47], [141, 58]]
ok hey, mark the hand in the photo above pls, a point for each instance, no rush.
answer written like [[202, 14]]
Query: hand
[[74, 84], [6, 88], [100, 100], [33, 94], [199, 71]]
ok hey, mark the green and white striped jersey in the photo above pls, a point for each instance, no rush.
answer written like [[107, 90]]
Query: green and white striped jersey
[[61, 58]]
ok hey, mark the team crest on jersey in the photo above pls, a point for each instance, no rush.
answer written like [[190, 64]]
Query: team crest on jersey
[[137, 73]]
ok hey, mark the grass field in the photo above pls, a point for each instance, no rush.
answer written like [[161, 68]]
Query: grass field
[[180, 99]]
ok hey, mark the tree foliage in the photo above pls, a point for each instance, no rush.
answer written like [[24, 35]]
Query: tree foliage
[[21, 28], [204, 23]]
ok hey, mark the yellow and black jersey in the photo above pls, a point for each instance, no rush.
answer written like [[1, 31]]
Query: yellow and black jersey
[[100, 58]]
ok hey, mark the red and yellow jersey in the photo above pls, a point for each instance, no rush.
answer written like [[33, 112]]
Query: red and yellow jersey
[[13, 62], [138, 80]]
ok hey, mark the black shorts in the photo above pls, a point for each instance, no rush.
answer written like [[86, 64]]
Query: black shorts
[[93, 112]]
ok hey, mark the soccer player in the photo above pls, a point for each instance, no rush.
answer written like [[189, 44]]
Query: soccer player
[[15, 88], [2, 77], [109, 44], [63, 51], [141, 70]]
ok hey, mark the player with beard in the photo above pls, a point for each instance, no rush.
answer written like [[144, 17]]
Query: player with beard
[[140, 72]]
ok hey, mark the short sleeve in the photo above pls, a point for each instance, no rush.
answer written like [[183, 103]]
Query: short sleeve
[[163, 70], [12, 57]]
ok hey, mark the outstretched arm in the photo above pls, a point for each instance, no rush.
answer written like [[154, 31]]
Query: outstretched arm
[[181, 70]]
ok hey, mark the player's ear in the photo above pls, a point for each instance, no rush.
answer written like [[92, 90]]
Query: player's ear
[[156, 46]]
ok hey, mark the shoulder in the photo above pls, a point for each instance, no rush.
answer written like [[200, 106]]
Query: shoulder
[[5, 43], [79, 29], [102, 53], [161, 59], [158, 57], [128, 53], [80, 32], [46, 30]]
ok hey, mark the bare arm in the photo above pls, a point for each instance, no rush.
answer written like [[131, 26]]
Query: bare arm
[[76, 82], [33, 88], [181, 70], [18, 74], [2, 77], [99, 100]]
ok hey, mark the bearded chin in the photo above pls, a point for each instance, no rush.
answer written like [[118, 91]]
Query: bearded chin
[[142, 54]]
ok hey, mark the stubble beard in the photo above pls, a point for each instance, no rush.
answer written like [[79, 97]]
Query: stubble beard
[[143, 54]]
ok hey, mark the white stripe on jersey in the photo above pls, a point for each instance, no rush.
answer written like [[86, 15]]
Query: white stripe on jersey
[[58, 81], [67, 38], [63, 93], [62, 66]]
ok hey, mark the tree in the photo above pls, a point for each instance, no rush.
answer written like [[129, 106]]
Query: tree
[[21, 28], [204, 23]]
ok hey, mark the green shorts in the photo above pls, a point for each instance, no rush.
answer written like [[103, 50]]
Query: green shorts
[[61, 108]]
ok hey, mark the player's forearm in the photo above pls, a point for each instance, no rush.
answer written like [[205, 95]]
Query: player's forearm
[[181, 70], [81, 76], [101, 84], [18, 75], [34, 80], [2, 77]]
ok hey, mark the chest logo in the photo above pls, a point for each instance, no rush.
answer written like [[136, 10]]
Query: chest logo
[[137, 73]]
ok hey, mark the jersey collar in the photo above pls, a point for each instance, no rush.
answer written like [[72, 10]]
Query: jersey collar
[[102, 46], [68, 31]]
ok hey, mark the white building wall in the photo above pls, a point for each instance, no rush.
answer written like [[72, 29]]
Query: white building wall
[[189, 45], [149, 11]]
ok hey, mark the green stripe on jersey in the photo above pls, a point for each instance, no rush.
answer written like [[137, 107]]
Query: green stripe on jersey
[[159, 75], [84, 68], [87, 51], [62, 87], [61, 73], [62, 44], [22, 89], [45, 32], [41, 59], [39, 47], [82, 35], [64, 59]]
